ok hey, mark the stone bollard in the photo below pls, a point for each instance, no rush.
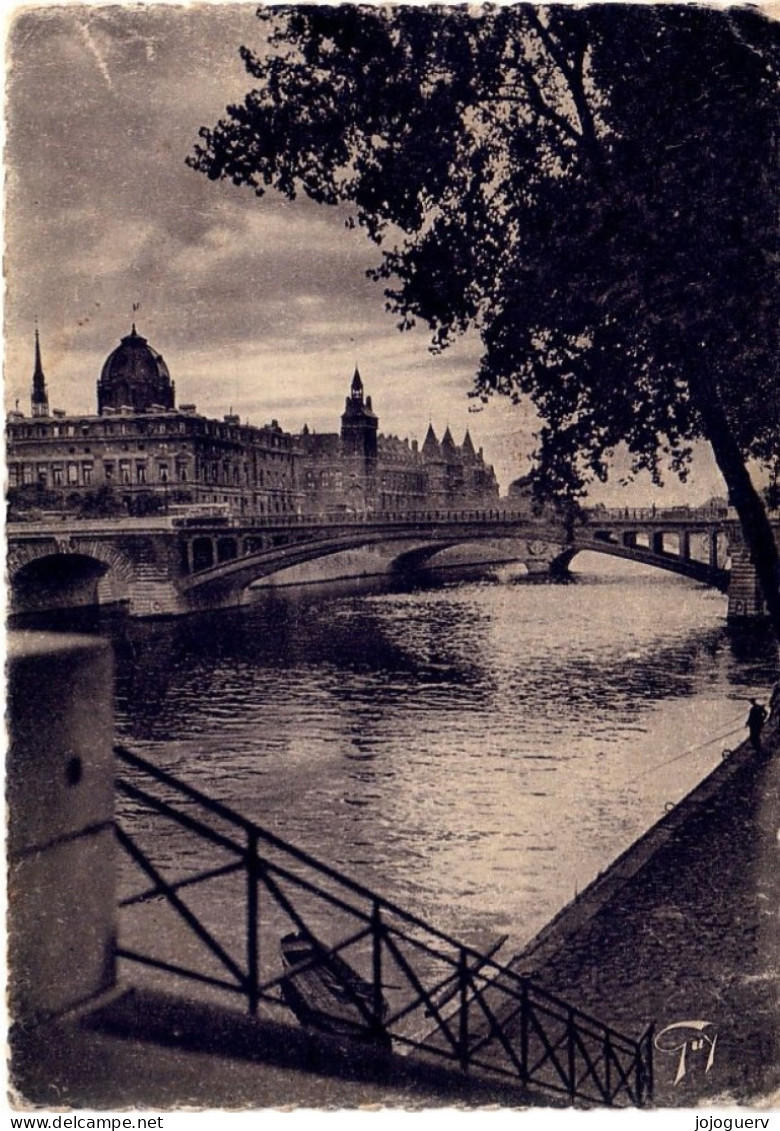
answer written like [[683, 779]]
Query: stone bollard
[[60, 798]]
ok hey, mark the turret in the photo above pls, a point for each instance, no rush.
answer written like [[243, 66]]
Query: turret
[[359, 423]]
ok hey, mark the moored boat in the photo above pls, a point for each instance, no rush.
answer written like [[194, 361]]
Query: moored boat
[[326, 993]]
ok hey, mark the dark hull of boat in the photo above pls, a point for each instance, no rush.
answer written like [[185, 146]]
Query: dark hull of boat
[[325, 993]]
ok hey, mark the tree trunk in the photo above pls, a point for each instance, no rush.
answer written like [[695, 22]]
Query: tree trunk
[[743, 496]]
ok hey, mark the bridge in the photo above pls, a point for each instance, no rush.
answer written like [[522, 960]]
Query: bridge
[[170, 565]]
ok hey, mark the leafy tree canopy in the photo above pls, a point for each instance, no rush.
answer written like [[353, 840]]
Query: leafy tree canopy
[[593, 189]]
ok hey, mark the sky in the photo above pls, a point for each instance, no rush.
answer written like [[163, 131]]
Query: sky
[[258, 305]]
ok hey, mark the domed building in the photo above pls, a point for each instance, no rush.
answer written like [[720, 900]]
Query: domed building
[[134, 377], [140, 454]]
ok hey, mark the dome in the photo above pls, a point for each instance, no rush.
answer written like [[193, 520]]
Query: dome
[[135, 376]]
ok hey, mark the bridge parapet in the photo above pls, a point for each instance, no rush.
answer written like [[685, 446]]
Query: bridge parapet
[[165, 565]]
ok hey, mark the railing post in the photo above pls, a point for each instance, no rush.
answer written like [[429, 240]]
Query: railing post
[[463, 1013], [376, 939], [571, 1049], [525, 1021], [644, 1067], [607, 1067], [252, 923]]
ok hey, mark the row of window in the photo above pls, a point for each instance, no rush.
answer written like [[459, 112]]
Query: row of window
[[233, 474], [73, 474], [272, 440], [128, 471]]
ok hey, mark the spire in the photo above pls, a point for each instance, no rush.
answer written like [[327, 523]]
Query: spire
[[431, 444], [356, 388], [447, 440], [40, 399], [467, 447]]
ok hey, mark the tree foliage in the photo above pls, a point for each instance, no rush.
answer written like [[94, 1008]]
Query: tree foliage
[[592, 188]]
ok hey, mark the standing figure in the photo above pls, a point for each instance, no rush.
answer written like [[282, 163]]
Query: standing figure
[[774, 705], [755, 723]]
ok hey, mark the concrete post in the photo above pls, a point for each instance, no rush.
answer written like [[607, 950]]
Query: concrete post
[[61, 847], [685, 545]]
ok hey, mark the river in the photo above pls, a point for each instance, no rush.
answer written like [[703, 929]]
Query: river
[[476, 752]]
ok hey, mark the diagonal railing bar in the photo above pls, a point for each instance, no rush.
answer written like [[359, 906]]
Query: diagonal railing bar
[[180, 971], [325, 952], [550, 1049], [179, 786], [496, 1030], [359, 913], [189, 917], [500, 1022], [322, 952], [589, 1071], [417, 1002], [277, 842], [313, 889], [624, 1083], [422, 993], [185, 819], [610, 1057], [202, 877], [477, 967]]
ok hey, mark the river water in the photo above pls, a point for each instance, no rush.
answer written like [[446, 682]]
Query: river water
[[476, 752]]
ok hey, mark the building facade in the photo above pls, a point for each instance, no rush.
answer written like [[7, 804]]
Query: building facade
[[361, 471], [140, 454]]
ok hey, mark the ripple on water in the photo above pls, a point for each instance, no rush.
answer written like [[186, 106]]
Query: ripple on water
[[478, 752]]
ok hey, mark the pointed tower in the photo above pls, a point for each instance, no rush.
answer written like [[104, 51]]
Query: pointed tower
[[359, 423], [453, 480], [430, 448], [40, 398]]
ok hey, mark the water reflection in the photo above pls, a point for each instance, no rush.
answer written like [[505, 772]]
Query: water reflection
[[475, 751]]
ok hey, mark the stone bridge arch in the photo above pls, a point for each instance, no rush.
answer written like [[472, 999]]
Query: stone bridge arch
[[67, 572]]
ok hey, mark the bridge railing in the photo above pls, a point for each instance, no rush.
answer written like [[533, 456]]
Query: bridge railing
[[266, 921]]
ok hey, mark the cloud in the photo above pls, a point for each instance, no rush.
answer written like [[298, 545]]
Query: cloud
[[259, 304]]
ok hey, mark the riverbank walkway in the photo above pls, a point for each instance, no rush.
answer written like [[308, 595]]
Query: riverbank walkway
[[682, 928]]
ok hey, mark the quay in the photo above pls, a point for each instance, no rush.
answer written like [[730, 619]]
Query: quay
[[682, 928]]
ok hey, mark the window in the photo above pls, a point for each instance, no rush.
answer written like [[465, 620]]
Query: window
[[181, 471], [108, 470], [43, 474], [124, 470], [86, 473], [162, 472], [56, 475], [13, 475], [73, 474], [140, 473]]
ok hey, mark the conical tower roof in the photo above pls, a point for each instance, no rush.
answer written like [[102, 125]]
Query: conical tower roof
[[447, 440], [431, 444]]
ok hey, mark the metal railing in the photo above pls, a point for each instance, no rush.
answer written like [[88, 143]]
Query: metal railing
[[377, 972]]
